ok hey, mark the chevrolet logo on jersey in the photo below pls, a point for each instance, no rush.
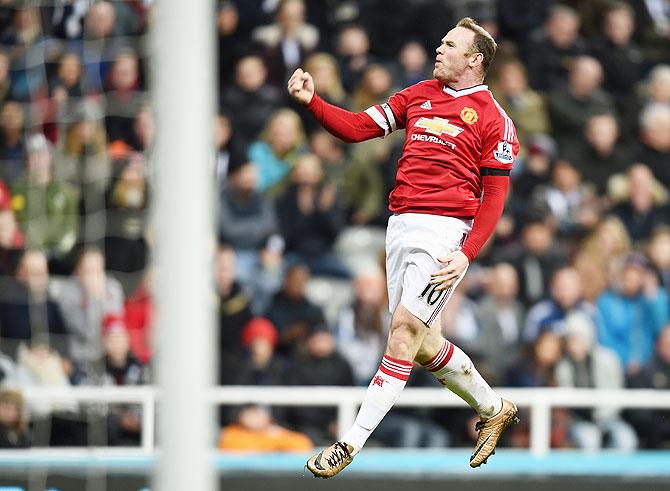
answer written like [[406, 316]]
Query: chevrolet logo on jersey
[[437, 126]]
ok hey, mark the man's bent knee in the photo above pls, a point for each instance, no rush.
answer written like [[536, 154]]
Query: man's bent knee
[[407, 333]]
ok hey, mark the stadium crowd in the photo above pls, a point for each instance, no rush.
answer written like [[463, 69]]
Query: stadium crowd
[[572, 290]]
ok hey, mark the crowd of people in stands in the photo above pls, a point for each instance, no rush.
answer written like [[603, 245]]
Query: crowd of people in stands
[[571, 291]]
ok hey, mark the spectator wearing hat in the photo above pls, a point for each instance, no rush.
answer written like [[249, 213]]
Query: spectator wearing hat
[[632, 313], [259, 365], [122, 368], [587, 365], [45, 207]]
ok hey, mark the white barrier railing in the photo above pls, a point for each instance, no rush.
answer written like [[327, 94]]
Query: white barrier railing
[[347, 399]]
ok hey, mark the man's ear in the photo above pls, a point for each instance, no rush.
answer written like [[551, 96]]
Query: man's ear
[[476, 59]]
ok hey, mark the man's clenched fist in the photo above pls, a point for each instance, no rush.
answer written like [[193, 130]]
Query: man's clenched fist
[[301, 86]]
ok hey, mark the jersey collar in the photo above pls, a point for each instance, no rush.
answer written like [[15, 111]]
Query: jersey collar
[[462, 92]]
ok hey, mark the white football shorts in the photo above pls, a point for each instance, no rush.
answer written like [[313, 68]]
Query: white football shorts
[[414, 241]]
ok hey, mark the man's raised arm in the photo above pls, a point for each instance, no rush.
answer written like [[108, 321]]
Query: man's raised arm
[[347, 126]]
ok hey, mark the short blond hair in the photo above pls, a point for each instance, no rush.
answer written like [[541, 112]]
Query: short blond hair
[[482, 43]]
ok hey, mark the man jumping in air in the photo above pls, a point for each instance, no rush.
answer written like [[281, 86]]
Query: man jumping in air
[[452, 180]]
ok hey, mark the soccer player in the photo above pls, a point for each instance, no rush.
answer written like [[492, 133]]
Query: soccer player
[[452, 180]]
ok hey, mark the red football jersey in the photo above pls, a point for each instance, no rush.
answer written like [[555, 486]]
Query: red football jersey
[[453, 137]]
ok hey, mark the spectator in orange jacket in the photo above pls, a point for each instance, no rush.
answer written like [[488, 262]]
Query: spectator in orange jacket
[[254, 430]]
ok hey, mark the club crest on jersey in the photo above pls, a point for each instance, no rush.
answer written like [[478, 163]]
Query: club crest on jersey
[[504, 152], [437, 126], [469, 115]]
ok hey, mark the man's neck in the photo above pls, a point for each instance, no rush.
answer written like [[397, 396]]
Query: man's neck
[[465, 83]]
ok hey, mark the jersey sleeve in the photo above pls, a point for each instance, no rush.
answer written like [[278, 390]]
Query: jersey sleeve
[[500, 146], [391, 115]]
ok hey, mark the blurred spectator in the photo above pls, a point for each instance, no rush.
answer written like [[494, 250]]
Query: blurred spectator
[[570, 202], [280, 145], [28, 47], [27, 310], [45, 207], [227, 147], [519, 18], [247, 219], [234, 309], [550, 51], [608, 245], [537, 367], [353, 53], [144, 130], [84, 300], [587, 365], [326, 74], [139, 319], [659, 254], [658, 86], [65, 91], [565, 299], [294, 316], [12, 144], [523, 105], [653, 427], [621, 60], [5, 82], [229, 40], [357, 181], [123, 96], [535, 170], [362, 327], [535, 259], [318, 364], [255, 430], [11, 241], [127, 201], [413, 65], [14, 432], [632, 313], [250, 101], [82, 162], [601, 153], [105, 24], [501, 316], [571, 106], [310, 217], [654, 143], [375, 86], [653, 21], [287, 41], [259, 365], [121, 368], [643, 209]]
